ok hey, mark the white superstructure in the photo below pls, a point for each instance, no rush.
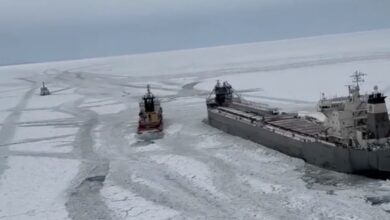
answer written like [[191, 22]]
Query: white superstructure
[[356, 120]]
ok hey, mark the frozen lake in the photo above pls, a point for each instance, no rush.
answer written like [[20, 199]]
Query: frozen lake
[[75, 154]]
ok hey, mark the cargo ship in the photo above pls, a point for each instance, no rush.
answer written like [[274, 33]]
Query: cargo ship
[[354, 138], [150, 114]]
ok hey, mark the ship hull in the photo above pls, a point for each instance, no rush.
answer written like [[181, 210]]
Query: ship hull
[[317, 153], [156, 127]]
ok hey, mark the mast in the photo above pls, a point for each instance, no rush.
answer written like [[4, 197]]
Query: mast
[[358, 77], [148, 100], [148, 89]]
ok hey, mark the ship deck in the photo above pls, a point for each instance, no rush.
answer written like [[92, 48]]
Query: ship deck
[[299, 125], [289, 122]]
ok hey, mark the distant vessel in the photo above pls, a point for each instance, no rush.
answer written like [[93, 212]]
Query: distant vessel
[[354, 138], [150, 115], [44, 90]]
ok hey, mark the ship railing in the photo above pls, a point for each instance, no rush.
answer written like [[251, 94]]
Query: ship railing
[[247, 120], [255, 105], [239, 113], [295, 135], [336, 99], [250, 121], [290, 134]]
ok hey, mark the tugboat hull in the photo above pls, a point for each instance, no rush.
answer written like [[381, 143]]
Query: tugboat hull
[[150, 128]]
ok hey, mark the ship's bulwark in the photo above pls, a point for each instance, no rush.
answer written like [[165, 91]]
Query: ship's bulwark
[[371, 163]]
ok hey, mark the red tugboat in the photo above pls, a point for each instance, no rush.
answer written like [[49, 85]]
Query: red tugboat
[[150, 115]]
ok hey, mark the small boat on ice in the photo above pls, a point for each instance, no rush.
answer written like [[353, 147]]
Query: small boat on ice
[[150, 114], [44, 90]]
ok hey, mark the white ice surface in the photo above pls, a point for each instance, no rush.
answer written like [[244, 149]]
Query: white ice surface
[[108, 109], [127, 205], [51, 101], [34, 188], [3, 115], [43, 115], [43, 132], [8, 100], [193, 171], [57, 145]]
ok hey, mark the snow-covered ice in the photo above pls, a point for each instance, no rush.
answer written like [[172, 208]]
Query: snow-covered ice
[[75, 154], [59, 144], [34, 188], [127, 205]]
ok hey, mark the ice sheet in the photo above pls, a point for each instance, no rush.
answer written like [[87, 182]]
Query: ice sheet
[[34, 188], [191, 170]]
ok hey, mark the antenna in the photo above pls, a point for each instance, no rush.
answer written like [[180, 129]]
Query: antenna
[[148, 90], [358, 77], [351, 89]]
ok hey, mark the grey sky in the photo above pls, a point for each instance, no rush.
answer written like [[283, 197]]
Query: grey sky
[[45, 30]]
